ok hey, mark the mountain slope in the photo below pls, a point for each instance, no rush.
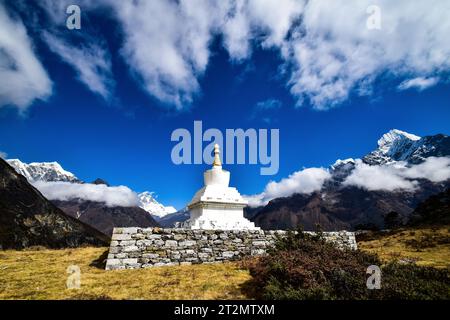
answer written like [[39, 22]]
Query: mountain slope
[[104, 218], [340, 206], [96, 214], [27, 218], [433, 211]]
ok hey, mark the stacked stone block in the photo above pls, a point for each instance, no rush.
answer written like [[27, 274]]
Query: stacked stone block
[[133, 248]]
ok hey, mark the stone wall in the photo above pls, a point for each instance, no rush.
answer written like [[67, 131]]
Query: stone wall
[[133, 248]]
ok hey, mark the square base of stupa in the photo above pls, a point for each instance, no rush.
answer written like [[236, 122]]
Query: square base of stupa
[[218, 216]]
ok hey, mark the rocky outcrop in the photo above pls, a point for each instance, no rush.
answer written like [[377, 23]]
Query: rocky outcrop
[[133, 248], [27, 218]]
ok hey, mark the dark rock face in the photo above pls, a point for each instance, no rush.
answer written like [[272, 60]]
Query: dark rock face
[[100, 181], [104, 218], [431, 146], [27, 218]]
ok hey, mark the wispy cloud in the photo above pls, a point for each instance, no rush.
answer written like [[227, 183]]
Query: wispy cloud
[[167, 45], [3, 155], [333, 52], [91, 62], [264, 110], [326, 49], [23, 79], [419, 83], [303, 181], [112, 196], [264, 23], [269, 104]]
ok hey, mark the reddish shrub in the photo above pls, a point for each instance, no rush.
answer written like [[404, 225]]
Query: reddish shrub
[[302, 266]]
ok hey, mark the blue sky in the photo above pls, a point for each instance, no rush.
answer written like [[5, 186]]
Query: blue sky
[[116, 122]]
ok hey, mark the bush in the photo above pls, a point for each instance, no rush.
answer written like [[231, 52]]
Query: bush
[[303, 266], [412, 282], [433, 211], [428, 241], [392, 220]]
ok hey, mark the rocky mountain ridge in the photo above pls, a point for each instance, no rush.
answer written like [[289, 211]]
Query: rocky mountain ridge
[[27, 218], [341, 206]]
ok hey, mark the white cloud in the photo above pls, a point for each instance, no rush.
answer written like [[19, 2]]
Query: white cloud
[[269, 104], [236, 31], [87, 54], [167, 45], [333, 52], [384, 177], [435, 169], [327, 50], [91, 62], [397, 176], [419, 83], [304, 181], [3, 155], [56, 9], [112, 196], [23, 79], [265, 21]]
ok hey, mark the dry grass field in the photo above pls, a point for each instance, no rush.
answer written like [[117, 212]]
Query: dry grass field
[[424, 246], [42, 274]]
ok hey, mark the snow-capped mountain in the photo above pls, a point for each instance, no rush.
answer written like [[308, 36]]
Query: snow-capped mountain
[[339, 205], [392, 146], [341, 163], [341, 169], [397, 145], [149, 204], [43, 171], [53, 172], [175, 220]]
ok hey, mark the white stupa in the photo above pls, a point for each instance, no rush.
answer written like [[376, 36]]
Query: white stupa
[[217, 206]]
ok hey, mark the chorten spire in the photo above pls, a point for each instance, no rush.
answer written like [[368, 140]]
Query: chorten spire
[[217, 162]]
